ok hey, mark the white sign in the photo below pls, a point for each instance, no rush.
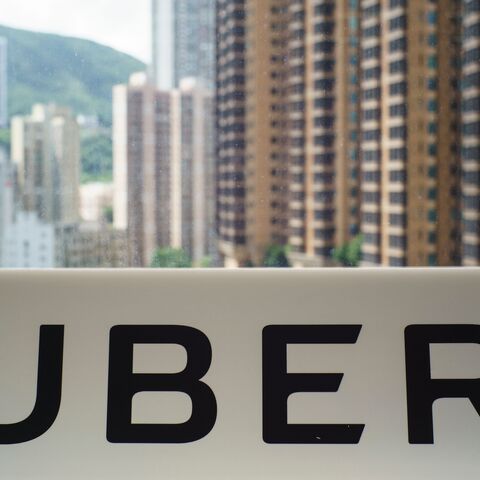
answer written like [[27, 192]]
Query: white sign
[[288, 375]]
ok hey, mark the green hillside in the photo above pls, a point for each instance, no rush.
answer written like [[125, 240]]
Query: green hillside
[[77, 73]]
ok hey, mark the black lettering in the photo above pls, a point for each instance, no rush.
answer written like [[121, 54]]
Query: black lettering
[[278, 385], [49, 390], [123, 385], [422, 391]]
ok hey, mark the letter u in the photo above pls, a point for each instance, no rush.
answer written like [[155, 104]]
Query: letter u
[[49, 390]]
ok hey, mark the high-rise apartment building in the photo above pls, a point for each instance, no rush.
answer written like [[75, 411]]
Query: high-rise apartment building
[[184, 46], [142, 162], [348, 112], [251, 120], [193, 172], [3, 83], [266, 167], [231, 129], [183, 42], [46, 155], [163, 23], [164, 169], [409, 132], [323, 55], [287, 102], [470, 94], [194, 41]]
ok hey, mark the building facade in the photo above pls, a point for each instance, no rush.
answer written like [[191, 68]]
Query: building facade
[[470, 95], [6, 198], [342, 118], [193, 172], [29, 242], [163, 24], [90, 245], [323, 55], [142, 161], [96, 202], [266, 159], [194, 41], [46, 156], [3, 82], [183, 42], [410, 115], [231, 128], [287, 120]]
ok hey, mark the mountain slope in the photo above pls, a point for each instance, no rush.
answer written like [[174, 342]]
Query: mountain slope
[[69, 71]]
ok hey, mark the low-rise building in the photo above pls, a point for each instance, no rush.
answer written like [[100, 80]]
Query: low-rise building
[[91, 245], [96, 201], [29, 243]]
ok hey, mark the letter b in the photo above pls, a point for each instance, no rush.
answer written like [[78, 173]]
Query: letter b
[[123, 385]]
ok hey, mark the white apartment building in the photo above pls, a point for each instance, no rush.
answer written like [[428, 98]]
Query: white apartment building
[[46, 153], [193, 171], [141, 167], [164, 169], [3, 83], [6, 197], [29, 243], [163, 43]]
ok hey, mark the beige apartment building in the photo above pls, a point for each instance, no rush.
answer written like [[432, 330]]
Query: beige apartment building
[[287, 106], [142, 155], [340, 118], [409, 135], [231, 124], [322, 128], [252, 156], [471, 131], [46, 156], [266, 159]]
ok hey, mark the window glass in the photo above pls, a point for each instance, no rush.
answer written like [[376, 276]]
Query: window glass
[[239, 133]]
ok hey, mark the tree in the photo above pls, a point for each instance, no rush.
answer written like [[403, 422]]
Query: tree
[[205, 262], [350, 254], [108, 214], [276, 257], [5, 139], [170, 258], [97, 158]]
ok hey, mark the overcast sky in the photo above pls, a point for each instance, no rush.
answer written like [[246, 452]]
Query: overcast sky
[[121, 24]]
